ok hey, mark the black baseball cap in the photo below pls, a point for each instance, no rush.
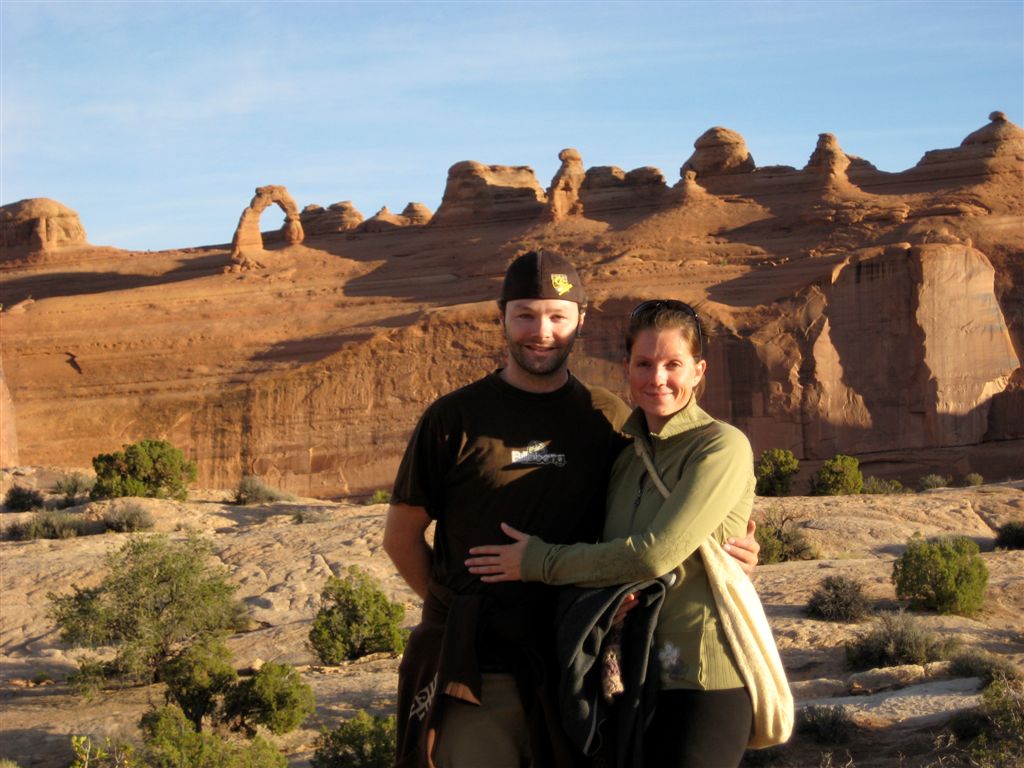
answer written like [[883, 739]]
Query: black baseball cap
[[541, 275]]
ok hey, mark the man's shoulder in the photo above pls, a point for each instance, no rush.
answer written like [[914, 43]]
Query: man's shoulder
[[608, 403]]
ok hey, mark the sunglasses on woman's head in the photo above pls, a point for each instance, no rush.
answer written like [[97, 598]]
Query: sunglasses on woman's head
[[653, 305]]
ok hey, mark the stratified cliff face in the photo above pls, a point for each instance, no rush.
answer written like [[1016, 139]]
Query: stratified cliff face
[[850, 310]]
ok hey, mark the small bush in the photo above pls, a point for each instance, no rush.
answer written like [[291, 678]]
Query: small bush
[[781, 541], [158, 597], [774, 471], [315, 515], [148, 468], [945, 574], [825, 724], [47, 524], [275, 697], [19, 499], [127, 517], [876, 485], [1010, 535], [198, 677], [894, 639], [973, 479], [109, 754], [172, 742], [355, 618], [71, 486], [839, 476], [838, 598], [1002, 704], [252, 490], [380, 496], [362, 741], [974, 662], [930, 482]]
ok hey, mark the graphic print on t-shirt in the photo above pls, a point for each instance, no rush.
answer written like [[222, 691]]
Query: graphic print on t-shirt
[[536, 452]]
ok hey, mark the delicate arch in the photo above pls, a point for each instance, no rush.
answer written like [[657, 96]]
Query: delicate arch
[[248, 234]]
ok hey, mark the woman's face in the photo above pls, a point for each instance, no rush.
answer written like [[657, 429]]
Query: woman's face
[[662, 374]]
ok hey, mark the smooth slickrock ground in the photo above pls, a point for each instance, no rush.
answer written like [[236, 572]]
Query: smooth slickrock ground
[[280, 566]]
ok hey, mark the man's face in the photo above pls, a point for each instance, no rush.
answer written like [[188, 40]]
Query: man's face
[[540, 333]]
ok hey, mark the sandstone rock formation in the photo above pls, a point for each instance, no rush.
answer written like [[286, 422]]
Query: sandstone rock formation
[[337, 217], [564, 192], [609, 188], [881, 316], [418, 214], [719, 151], [477, 193], [248, 235], [39, 224], [383, 221]]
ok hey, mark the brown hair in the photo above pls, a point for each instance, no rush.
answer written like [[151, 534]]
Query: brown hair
[[666, 314]]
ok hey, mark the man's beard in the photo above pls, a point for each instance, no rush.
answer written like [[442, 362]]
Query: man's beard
[[545, 367]]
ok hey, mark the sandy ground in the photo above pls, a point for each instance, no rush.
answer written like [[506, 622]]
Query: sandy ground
[[280, 565]]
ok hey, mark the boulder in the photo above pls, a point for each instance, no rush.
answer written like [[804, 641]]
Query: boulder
[[719, 151], [477, 193], [39, 224]]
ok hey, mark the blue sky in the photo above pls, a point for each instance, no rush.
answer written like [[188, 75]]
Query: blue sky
[[156, 120]]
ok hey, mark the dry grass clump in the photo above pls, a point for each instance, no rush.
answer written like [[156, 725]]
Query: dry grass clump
[[839, 598], [894, 639]]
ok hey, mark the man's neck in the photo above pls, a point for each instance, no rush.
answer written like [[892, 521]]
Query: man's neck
[[532, 382]]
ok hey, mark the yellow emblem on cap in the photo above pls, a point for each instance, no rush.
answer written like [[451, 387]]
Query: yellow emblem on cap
[[561, 284]]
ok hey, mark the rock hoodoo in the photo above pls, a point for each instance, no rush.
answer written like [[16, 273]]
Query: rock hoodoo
[[39, 224], [248, 234], [564, 193], [478, 193], [719, 151], [337, 217], [828, 160]]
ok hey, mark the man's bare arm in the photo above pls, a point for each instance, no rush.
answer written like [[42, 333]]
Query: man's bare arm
[[405, 545]]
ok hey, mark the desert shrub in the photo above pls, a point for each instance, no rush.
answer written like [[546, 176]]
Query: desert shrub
[[108, 754], [781, 540], [127, 517], [774, 471], [877, 485], [825, 724], [839, 476], [71, 486], [172, 742], [158, 597], [314, 515], [839, 598], [47, 524], [945, 574], [20, 499], [1010, 535], [5, 763], [1002, 704], [275, 697], [379, 496], [894, 639], [147, 468], [198, 677], [932, 481], [362, 741], [355, 618], [975, 662], [252, 490], [973, 479]]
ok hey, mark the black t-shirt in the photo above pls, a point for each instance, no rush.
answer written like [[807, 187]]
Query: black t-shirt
[[490, 453]]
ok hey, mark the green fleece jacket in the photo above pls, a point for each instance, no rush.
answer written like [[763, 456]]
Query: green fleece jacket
[[708, 467]]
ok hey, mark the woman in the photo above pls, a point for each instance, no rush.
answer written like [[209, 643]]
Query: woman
[[703, 714]]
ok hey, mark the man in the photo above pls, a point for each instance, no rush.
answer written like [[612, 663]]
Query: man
[[529, 445]]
